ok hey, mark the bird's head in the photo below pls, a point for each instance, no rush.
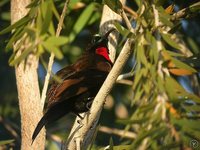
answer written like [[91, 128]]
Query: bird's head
[[99, 45]]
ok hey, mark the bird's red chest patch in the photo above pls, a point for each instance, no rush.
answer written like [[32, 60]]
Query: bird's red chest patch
[[103, 51]]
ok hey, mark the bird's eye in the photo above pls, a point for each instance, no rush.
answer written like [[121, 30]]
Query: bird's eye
[[96, 39]]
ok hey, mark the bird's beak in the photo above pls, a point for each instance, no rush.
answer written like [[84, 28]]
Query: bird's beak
[[107, 33]]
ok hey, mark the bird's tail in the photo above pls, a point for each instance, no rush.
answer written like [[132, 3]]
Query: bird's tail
[[52, 114]]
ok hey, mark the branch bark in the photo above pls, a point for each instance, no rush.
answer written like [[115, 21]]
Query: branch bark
[[30, 106]]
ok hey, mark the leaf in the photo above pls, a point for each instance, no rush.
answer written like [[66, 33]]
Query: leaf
[[52, 48], [94, 18], [34, 3], [21, 22], [57, 41], [4, 142], [123, 31], [178, 91], [170, 9], [167, 38], [114, 5], [16, 36], [21, 57], [146, 133], [81, 21], [47, 13], [180, 68], [141, 55]]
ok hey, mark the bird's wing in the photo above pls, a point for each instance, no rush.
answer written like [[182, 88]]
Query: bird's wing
[[76, 84]]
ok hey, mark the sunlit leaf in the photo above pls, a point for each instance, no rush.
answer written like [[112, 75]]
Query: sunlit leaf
[[4, 142], [167, 38], [16, 36], [170, 9], [57, 41], [21, 22], [52, 48], [22, 56], [178, 91], [34, 3], [123, 30], [47, 13], [81, 21]]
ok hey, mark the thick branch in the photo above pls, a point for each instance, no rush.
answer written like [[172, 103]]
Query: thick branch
[[27, 86]]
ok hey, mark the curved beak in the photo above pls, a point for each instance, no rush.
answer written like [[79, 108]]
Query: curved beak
[[107, 33]]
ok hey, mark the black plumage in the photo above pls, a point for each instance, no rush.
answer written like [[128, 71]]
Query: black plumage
[[80, 83]]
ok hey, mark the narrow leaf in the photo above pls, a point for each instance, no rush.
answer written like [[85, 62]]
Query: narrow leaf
[[57, 41], [52, 48], [4, 142], [47, 6], [21, 22], [167, 38], [21, 57], [82, 21]]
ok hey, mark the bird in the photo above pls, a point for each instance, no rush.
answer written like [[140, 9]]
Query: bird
[[80, 82]]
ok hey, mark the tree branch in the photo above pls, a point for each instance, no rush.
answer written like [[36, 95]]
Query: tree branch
[[121, 133]]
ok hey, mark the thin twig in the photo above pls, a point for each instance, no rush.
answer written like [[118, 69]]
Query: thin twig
[[129, 10], [8, 125], [183, 12], [121, 133], [128, 23], [51, 59]]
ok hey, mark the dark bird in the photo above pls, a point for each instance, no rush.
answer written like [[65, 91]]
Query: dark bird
[[80, 83]]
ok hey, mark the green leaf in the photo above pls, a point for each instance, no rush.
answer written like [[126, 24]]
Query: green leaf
[[34, 3], [52, 48], [182, 65], [16, 36], [145, 133], [47, 13], [114, 5], [174, 54], [178, 91], [55, 12], [20, 22], [141, 55], [123, 31], [94, 18], [4, 142], [21, 57], [57, 41], [167, 38], [82, 21]]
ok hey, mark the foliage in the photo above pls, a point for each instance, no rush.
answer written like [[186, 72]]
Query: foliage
[[163, 114], [166, 115]]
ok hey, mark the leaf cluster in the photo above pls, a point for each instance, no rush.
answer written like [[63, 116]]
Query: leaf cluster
[[165, 114]]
